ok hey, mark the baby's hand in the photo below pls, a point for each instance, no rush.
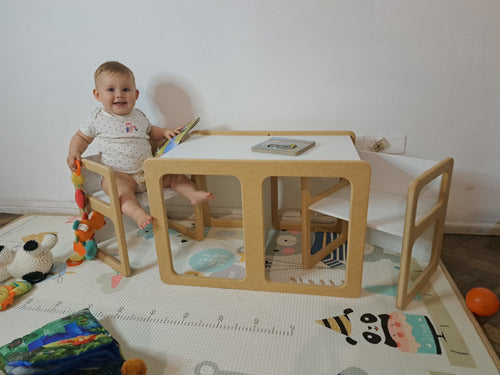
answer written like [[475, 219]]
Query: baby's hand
[[171, 133], [71, 161]]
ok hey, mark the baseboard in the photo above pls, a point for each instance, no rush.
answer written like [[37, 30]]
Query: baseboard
[[486, 229], [28, 207], [25, 207]]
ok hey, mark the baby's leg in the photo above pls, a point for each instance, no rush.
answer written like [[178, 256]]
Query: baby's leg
[[126, 187], [187, 188]]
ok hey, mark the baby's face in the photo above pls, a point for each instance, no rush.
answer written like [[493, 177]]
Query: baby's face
[[116, 92]]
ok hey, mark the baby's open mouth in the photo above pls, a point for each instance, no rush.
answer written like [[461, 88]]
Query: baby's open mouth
[[120, 103]]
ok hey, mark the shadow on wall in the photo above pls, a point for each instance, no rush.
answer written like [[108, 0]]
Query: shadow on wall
[[174, 104]]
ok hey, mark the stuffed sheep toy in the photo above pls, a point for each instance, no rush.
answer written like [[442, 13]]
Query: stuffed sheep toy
[[31, 263]]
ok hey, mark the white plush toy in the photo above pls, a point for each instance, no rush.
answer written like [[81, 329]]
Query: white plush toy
[[31, 263]]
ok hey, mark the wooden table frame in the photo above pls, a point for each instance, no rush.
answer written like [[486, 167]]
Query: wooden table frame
[[252, 174]]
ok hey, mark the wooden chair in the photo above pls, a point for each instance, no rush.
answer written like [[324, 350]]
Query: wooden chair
[[99, 201], [406, 212]]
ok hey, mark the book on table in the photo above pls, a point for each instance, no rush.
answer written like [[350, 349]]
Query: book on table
[[284, 146], [178, 139]]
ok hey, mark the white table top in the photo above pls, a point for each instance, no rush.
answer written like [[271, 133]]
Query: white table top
[[238, 147]]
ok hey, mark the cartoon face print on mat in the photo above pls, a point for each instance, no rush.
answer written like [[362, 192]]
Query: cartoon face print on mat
[[285, 243], [408, 333], [283, 251]]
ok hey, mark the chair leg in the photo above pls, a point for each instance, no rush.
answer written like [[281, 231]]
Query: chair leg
[[309, 260], [306, 239], [275, 220], [201, 182], [405, 293], [121, 265], [199, 222]]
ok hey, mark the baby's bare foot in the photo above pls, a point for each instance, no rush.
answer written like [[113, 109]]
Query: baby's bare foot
[[143, 219], [200, 196]]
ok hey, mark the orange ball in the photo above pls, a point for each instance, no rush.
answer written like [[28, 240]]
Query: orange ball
[[134, 366], [482, 301]]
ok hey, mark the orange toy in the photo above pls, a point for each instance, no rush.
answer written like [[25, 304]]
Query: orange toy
[[482, 301], [85, 228], [84, 244]]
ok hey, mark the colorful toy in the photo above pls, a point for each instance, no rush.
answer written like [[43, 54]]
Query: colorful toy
[[12, 290], [85, 228], [482, 301], [32, 263], [74, 344], [85, 245]]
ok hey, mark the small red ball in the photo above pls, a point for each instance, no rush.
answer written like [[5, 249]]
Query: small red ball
[[482, 301]]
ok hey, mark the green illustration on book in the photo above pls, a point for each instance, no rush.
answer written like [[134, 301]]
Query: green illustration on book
[[178, 139]]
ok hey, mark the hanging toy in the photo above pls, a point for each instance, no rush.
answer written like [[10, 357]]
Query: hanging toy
[[84, 245]]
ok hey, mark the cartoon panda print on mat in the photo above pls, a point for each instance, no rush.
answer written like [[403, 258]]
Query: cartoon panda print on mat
[[408, 333]]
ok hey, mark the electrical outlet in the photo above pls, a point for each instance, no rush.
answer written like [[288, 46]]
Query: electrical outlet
[[397, 143], [379, 145]]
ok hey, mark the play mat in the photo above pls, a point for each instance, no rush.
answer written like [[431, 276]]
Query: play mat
[[198, 331]]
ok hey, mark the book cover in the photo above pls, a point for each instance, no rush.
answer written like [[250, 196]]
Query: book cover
[[284, 146], [178, 139]]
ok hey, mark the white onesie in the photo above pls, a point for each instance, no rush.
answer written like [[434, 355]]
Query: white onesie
[[123, 141]]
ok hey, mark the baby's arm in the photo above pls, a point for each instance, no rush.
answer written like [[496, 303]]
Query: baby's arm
[[77, 147]]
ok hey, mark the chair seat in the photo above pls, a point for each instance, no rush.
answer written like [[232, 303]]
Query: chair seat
[[412, 226], [386, 211], [93, 172], [142, 198]]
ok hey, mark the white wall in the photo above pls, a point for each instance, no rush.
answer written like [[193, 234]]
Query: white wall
[[426, 69]]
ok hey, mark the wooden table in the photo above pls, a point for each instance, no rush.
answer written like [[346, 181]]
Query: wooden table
[[229, 154]]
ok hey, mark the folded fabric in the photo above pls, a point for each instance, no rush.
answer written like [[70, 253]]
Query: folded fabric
[[75, 344]]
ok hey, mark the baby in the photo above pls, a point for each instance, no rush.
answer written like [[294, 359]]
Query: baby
[[124, 135]]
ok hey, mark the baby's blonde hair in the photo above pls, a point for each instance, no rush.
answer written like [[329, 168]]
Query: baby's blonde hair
[[113, 67]]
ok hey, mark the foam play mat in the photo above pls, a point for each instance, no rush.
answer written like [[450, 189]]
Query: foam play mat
[[198, 331]]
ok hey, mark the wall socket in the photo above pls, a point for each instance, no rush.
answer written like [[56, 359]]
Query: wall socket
[[397, 143]]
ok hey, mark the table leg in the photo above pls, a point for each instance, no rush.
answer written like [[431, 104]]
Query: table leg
[[353, 231], [254, 231], [160, 229]]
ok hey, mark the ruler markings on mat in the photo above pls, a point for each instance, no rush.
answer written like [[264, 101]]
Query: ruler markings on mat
[[153, 317]]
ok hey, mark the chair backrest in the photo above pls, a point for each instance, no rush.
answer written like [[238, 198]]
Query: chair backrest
[[394, 173], [92, 186], [92, 180]]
